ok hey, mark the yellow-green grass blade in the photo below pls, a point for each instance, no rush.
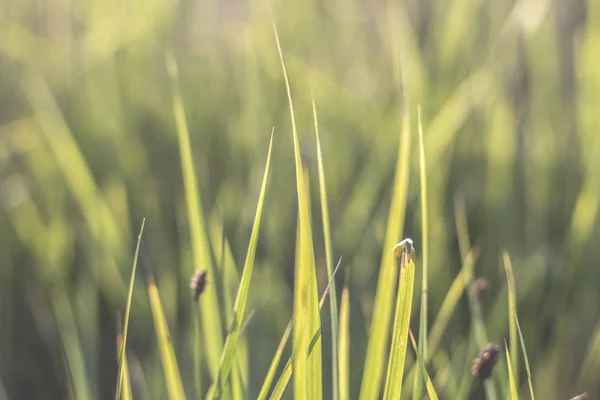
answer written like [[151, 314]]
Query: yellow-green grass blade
[[514, 395], [307, 367], [126, 393], [287, 371], [333, 307], [395, 370], [429, 385], [418, 381], [512, 307], [264, 390], [209, 306], [167, 354], [450, 302], [239, 308], [344, 346], [529, 381], [231, 282], [383, 306], [121, 359]]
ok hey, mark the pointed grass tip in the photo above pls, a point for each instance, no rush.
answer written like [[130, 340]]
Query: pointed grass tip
[[405, 249]]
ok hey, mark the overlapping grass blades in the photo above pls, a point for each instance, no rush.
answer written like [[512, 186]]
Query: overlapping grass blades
[[382, 308], [395, 370], [124, 381], [333, 307], [529, 382], [209, 306], [307, 327], [121, 360], [167, 354], [241, 300], [287, 370], [514, 395], [428, 384]]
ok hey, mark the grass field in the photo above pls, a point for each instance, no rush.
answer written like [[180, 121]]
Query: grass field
[[268, 145]]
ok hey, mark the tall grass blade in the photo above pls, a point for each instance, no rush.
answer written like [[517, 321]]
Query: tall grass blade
[[307, 367], [344, 346], [418, 382], [529, 381], [429, 385], [241, 300], [383, 305], [167, 354], [211, 320], [512, 307], [514, 395], [124, 381], [121, 358], [395, 371], [333, 307]]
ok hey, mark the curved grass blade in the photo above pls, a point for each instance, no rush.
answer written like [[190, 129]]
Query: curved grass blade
[[344, 346], [121, 359], [418, 381], [167, 354], [307, 379], [211, 320], [333, 307], [514, 395], [429, 385], [395, 371], [524, 355], [239, 308], [512, 306], [382, 307]]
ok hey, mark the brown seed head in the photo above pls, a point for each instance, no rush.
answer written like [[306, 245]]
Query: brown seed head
[[485, 361], [198, 283]]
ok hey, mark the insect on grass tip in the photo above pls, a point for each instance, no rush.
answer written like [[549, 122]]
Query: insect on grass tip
[[405, 247]]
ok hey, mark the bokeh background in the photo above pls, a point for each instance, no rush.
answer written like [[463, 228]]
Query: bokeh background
[[510, 99]]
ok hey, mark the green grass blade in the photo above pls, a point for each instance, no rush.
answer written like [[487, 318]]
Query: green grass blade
[[167, 354], [450, 302], [241, 300], [264, 390], [344, 346], [395, 371], [383, 305], [514, 395], [512, 306], [307, 367], [287, 371], [333, 307], [211, 320], [418, 382], [525, 356], [125, 381], [121, 359], [429, 385]]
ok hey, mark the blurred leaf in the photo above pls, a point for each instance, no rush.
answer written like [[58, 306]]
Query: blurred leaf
[[429, 385], [344, 346], [167, 354], [241, 300], [211, 320]]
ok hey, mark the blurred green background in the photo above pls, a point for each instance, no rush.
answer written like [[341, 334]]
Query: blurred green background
[[510, 99]]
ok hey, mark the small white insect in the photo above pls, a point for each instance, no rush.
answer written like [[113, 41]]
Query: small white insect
[[406, 244]]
